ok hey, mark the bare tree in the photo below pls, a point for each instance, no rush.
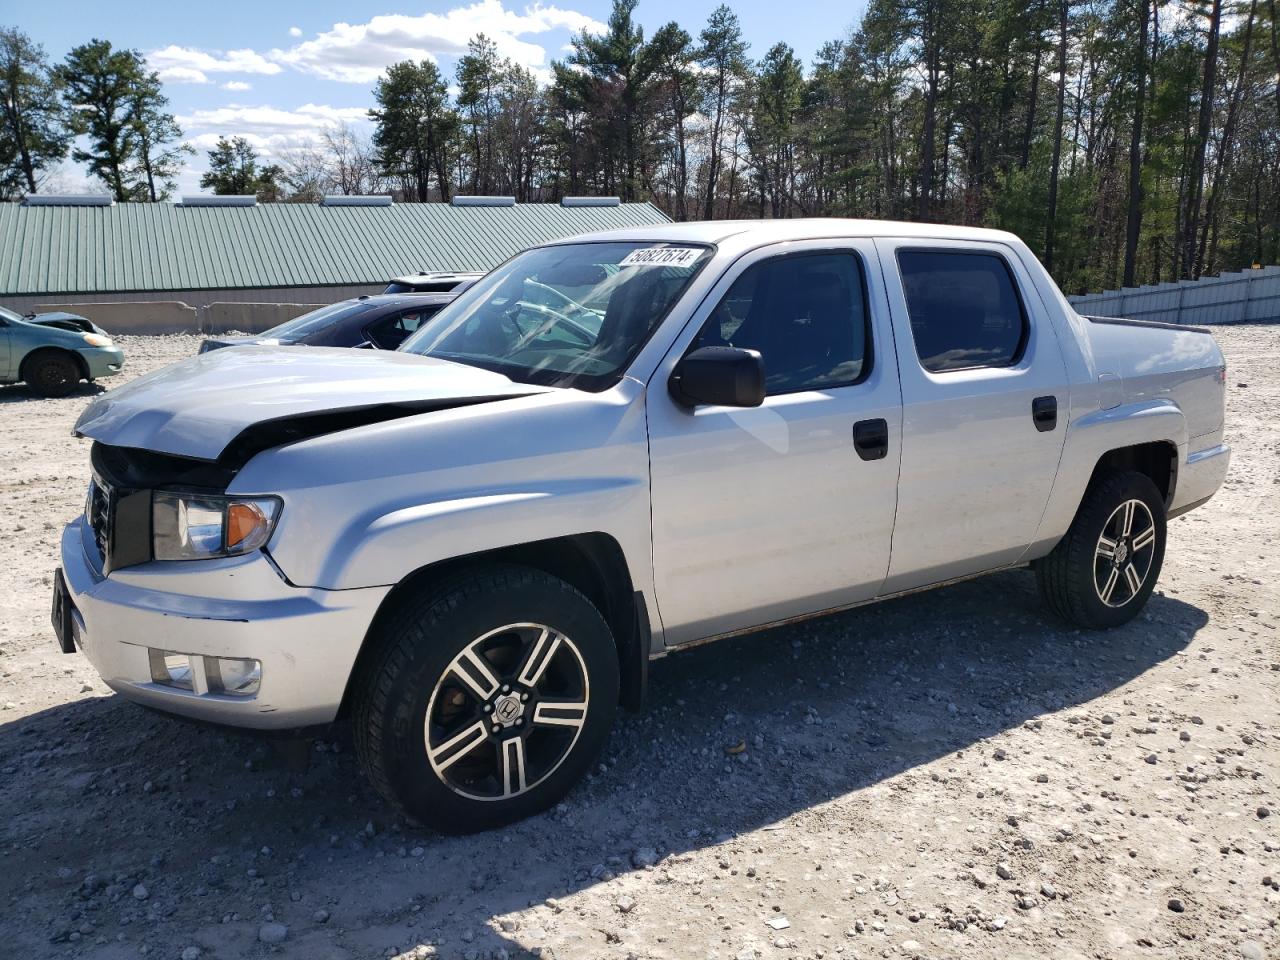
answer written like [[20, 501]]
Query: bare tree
[[305, 173], [351, 162]]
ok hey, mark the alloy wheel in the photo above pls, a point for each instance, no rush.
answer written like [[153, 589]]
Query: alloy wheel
[[1124, 554], [507, 711]]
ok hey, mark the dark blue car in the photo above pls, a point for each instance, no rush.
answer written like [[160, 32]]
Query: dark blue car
[[381, 322]]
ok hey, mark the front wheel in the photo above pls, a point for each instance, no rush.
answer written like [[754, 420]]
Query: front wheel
[[51, 373], [491, 696], [1103, 571]]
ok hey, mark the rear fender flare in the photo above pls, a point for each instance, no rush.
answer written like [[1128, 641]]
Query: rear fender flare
[[1089, 439]]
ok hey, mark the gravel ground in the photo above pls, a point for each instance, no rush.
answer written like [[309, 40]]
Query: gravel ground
[[952, 774]]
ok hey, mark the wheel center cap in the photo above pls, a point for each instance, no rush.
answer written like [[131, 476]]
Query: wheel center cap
[[1122, 553], [507, 709]]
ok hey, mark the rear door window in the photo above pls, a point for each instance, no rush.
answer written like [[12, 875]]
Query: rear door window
[[964, 308]]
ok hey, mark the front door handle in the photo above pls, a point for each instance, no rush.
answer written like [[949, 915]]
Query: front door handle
[[1044, 411], [871, 439]]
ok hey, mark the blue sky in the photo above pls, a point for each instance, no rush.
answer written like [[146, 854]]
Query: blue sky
[[278, 73]]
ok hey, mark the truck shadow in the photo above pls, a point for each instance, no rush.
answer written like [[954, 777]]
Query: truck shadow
[[737, 736]]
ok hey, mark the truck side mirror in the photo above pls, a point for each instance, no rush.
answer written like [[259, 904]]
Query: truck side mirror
[[721, 376]]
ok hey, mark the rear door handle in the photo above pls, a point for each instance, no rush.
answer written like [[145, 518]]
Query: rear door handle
[[871, 439], [1044, 411]]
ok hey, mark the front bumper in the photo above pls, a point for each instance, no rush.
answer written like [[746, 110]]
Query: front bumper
[[240, 608], [103, 361]]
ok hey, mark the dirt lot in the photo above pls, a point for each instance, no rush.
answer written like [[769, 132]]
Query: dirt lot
[[952, 774]]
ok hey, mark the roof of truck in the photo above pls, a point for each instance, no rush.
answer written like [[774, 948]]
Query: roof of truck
[[778, 231]]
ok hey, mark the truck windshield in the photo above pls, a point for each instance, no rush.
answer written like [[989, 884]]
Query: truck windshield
[[573, 315]]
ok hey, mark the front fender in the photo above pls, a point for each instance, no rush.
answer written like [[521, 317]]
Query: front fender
[[1090, 437], [368, 506], [383, 547]]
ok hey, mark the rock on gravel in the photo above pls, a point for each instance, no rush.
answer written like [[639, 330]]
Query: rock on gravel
[[273, 933]]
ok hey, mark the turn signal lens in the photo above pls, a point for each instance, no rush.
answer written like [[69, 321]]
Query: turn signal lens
[[246, 522]]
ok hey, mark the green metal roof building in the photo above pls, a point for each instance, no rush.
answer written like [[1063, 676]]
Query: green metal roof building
[[204, 250]]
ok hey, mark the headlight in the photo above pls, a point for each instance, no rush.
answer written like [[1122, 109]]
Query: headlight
[[197, 526], [96, 340]]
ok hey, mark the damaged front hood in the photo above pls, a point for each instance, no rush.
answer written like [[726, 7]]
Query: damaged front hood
[[229, 404], [66, 321]]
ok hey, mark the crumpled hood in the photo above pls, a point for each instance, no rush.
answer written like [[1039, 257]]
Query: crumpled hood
[[66, 321], [198, 407]]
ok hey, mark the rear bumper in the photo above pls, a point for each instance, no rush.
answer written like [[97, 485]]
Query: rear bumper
[[306, 639], [1199, 478]]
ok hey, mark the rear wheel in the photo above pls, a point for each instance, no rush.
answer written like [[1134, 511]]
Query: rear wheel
[[491, 696], [51, 373], [1103, 571]]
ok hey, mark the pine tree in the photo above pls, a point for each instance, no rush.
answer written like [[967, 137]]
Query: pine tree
[[415, 127], [160, 152], [34, 132], [102, 85], [723, 55], [233, 169]]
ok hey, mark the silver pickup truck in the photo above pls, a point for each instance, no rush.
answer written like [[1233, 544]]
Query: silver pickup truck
[[607, 449]]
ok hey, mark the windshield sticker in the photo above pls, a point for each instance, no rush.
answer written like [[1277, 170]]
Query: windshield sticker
[[661, 257]]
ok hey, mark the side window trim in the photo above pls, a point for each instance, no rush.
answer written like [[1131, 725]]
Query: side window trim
[[1024, 338], [868, 348]]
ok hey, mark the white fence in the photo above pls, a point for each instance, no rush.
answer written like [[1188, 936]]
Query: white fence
[[1244, 296]]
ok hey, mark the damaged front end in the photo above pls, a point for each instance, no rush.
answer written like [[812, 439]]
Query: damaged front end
[[169, 446], [228, 405], [145, 505]]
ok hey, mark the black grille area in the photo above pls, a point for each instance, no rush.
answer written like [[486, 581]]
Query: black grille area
[[119, 506], [99, 516]]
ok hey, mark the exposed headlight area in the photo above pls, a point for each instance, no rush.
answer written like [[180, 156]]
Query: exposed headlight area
[[145, 506], [200, 526]]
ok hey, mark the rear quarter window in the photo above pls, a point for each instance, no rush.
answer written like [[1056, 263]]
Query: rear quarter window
[[964, 308]]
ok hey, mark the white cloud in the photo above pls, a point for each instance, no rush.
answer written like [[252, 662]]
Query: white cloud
[[237, 117], [188, 65], [237, 85], [182, 75], [271, 130], [359, 53], [295, 31]]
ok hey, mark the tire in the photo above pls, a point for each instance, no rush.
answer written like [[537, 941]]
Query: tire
[[51, 373], [1100, 576], [456, 719]]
